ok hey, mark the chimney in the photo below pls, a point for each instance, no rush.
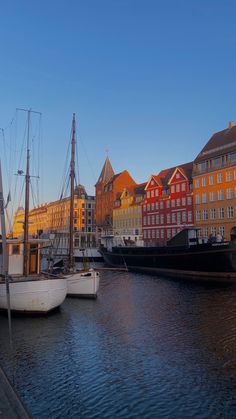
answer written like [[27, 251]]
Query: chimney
[[231, 124]]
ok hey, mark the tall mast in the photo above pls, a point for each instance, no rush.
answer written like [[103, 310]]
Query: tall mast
[[27, 188], [72, 195], [27, 192]]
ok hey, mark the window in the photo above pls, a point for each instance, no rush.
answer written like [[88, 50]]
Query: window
[[230, 212], [204, 181], [149, 234], [220, 195], [156, 192], [144, 221], [153, 234], [190, 216], [162, 233], [148, 220], [162, 219], [183, 202], [221, 212], [173, 232], [157, 219], [212, 196], [197, 199], [157, 205], [144, 208], [15, 249], [168, 218], [205, 214], [161, 204], [189, 200], [184, 218], [153, 219], [152, 194], [168, 233], [183, 187], [173, 203], [157, 234], [213, 213], [152, 182], [148, 194], [148, 207], [153, 206], [178, 217], [213, 231], [198, 215], [229, 193], [168, 204], [211, 180], [177, 175], [229, 176], [172, 189], [177, 188], [197, 183], [145, 234], [178, 202], [222, 231], [173, 218], [204, 198], [219, 177]]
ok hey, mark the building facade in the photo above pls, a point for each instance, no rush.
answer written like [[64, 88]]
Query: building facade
[[127, 214], [168, 206], [214, 179], [53, 217], [107, 188]]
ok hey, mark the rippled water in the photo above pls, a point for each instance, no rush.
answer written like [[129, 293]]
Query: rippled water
[[146, 348]]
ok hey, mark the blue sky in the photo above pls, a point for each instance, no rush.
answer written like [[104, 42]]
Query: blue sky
[[149, 80]]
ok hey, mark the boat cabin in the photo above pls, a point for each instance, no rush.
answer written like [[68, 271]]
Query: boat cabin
[[15, 253]]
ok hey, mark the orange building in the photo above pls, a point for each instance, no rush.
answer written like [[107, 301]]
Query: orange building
[[214, 176], [107, 187]]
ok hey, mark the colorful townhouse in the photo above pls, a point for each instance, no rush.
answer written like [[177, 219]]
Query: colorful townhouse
[[107, 187], [127, 214], [214, 179], [168, 206]]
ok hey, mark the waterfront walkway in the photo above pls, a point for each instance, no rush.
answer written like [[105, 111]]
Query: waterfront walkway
[[10, 405]]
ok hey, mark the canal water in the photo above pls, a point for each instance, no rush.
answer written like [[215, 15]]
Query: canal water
[[148, 347]]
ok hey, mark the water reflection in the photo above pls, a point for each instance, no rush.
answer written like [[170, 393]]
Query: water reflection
[[147, 347]]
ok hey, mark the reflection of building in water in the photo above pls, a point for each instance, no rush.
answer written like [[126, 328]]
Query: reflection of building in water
[[53, 217]]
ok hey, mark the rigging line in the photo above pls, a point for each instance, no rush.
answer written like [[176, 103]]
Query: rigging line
[[65, 172], [77, 160]]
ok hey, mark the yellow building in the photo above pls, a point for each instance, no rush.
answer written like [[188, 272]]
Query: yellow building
[[54, 216], [127, 213], [214, 176]]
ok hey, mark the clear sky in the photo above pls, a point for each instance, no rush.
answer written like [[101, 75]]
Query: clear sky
[[149, 80]]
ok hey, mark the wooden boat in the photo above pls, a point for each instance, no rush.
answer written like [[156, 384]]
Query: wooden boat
[[182, 257], [23, 288]]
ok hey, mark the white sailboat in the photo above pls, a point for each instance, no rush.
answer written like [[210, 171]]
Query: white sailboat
[[85, 282], [29, 290]]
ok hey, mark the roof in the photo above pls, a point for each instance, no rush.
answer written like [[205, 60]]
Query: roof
[[140, 188], [106, 173], [221, 142], [166, 174]]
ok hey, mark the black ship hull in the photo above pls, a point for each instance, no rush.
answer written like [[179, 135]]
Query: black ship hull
[[205, 261]]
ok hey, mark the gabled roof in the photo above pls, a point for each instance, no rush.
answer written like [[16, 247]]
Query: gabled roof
[[221, 142], [106, 173], [166, 174], [157, 180], [140, 188]]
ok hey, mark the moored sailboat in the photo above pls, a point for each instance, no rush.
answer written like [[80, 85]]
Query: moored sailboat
[[30, 291], [83, 282]]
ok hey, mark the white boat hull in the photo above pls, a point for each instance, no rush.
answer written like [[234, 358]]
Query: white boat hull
[[34, 296], [83, 284]]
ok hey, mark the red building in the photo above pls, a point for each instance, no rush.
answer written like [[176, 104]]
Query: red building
[[168, 206]]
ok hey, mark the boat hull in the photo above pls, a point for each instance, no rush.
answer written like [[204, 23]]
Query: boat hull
[[203, 261], [83, 284], [34, 297]]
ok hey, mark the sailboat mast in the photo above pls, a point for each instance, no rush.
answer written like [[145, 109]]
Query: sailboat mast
[[72, 195], [27, 189]]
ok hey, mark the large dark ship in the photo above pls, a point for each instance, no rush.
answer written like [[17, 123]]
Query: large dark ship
[[183, 256]]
